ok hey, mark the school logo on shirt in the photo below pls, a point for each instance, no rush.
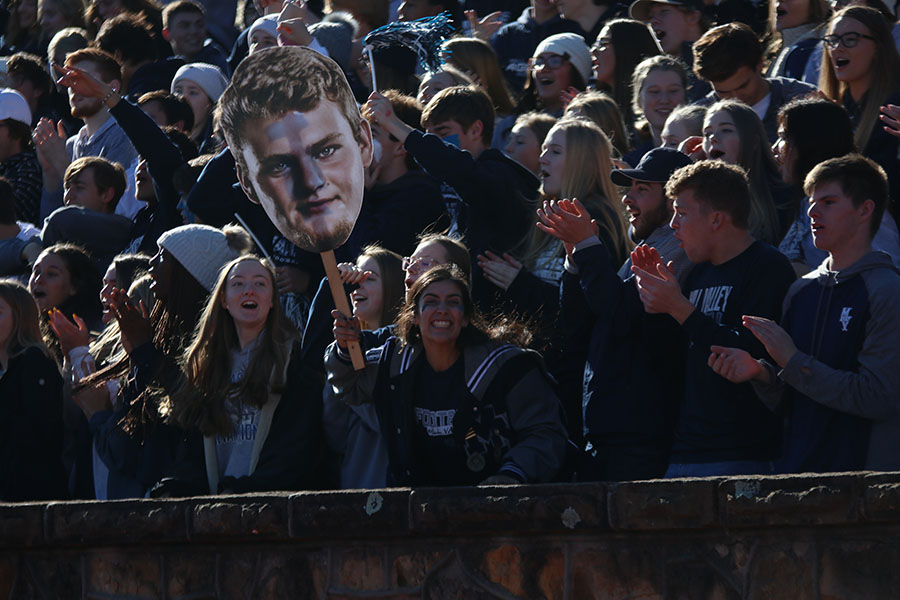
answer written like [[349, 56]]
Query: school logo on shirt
[[712, 301], [437, 423], [845, 317]]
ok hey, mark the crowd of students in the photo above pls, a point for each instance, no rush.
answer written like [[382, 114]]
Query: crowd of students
[[600, 242]]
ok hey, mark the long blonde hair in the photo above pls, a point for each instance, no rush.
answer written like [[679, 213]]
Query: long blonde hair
[[885, 70], [586, 177], [201, 403], [26, 326]]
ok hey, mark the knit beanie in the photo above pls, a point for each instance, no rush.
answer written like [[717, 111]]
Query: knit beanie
[[201, 249], [208, 77], [267, 23], [571, 44], [336, 32]]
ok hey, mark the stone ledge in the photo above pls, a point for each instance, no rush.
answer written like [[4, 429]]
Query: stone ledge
[[562, 510]]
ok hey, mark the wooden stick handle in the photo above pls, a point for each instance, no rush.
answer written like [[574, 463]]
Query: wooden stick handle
[[340, 302]]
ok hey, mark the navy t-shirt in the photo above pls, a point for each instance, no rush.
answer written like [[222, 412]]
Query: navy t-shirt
[[441, 460], [720, 420]]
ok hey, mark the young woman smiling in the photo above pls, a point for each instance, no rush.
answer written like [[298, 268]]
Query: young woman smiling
[[861, 72], [658, 86], [243, 394], [457, 405], [353, 431]]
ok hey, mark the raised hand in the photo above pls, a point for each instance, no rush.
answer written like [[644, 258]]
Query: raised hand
[[292, 24], [660, 292], [647, 258], [351, 274], [83, 83], [734, 364], [134, 322], [70, 335], [777, 341], [377, 109], [484, 28], [567, 95], [346, 329], [890, 116], [50, 145], [501, 271], [566, 220], [693, 147], [291, 280]]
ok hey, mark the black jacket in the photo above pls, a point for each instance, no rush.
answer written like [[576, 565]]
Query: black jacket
[[31, 429], [508, 422]]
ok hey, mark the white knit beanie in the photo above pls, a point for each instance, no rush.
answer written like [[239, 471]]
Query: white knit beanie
[[208, 77], [201, 249], [571, 44]]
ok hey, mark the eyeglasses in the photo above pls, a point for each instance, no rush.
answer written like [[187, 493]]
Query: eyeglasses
[[417, 261], [554, 61], [847, 40], [601, 44]]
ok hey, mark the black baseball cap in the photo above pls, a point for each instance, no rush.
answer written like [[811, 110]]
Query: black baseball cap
[[640, 9], [656, 167]]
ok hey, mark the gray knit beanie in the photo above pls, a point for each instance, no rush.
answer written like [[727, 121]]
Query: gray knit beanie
[[208, 77], [201, 249], [336, 32]]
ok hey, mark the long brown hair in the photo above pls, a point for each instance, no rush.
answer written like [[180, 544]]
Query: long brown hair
[[885, 70], [756, 158], [173, 321], [26, 329], [476, 56], [632, 41], [201, 403], [392, 289]]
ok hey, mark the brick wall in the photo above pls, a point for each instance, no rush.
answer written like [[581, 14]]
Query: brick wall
[[834, 536]]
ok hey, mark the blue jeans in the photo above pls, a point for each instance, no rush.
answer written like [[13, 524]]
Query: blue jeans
[[728, 467]]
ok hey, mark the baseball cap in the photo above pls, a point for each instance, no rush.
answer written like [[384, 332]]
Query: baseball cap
[[13, 106], [656, 167], [640, 9]]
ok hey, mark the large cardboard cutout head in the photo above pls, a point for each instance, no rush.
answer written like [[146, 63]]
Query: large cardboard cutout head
[[299, 142]]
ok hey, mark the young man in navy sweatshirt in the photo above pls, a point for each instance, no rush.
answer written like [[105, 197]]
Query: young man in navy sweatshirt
[[838, 364], [722, 428]]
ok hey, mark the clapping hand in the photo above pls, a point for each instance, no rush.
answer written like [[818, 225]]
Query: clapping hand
[[70, 335], [777, 341], [734, 364], [501, 271], [134, 322], [659, 289], [50, 145], [890, 116]]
